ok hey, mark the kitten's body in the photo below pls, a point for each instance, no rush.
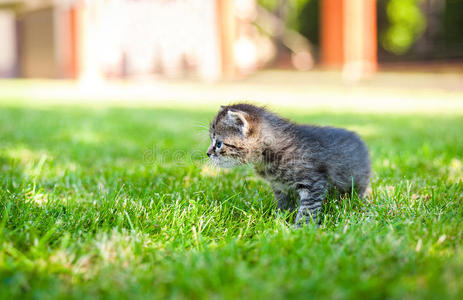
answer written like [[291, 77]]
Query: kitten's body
[[296, 159]]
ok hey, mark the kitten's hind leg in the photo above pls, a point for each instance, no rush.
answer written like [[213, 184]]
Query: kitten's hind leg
[[311, 195]]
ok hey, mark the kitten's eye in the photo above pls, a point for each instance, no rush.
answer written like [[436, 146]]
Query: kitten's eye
[[219, 144]]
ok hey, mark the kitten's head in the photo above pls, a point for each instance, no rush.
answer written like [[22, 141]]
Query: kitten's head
[[234, 135]]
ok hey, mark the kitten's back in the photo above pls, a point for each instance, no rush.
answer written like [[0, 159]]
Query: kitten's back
[[343, 155]]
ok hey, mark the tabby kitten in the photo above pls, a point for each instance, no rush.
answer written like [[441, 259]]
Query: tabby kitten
[[301, 160]]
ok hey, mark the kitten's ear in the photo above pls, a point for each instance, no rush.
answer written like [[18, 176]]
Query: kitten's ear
[[238, 119], [222, 107]]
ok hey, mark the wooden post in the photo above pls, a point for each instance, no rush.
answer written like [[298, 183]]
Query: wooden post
[[332, 33], [226, 24], [348, 36], [74, 42], [359, 38]]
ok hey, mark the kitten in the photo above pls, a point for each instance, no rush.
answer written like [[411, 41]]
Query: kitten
[[301, 160]]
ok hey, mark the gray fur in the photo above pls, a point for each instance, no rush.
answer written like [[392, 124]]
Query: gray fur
[[304, 160]]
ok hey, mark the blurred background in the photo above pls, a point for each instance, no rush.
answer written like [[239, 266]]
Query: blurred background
[[383, 43]]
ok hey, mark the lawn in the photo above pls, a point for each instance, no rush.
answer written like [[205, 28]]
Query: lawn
[[114, 202]]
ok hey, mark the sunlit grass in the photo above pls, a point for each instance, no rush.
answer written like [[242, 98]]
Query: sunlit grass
[[119, 202]]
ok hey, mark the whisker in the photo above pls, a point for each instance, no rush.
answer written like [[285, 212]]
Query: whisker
[[201, 125]]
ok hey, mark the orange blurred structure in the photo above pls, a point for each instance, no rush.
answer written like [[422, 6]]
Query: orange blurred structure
[[349, 37], [226, 27], [332, 34]]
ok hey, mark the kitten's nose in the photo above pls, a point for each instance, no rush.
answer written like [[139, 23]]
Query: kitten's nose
[[210, 150]]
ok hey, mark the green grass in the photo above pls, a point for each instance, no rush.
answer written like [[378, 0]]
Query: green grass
[[119, 203]]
